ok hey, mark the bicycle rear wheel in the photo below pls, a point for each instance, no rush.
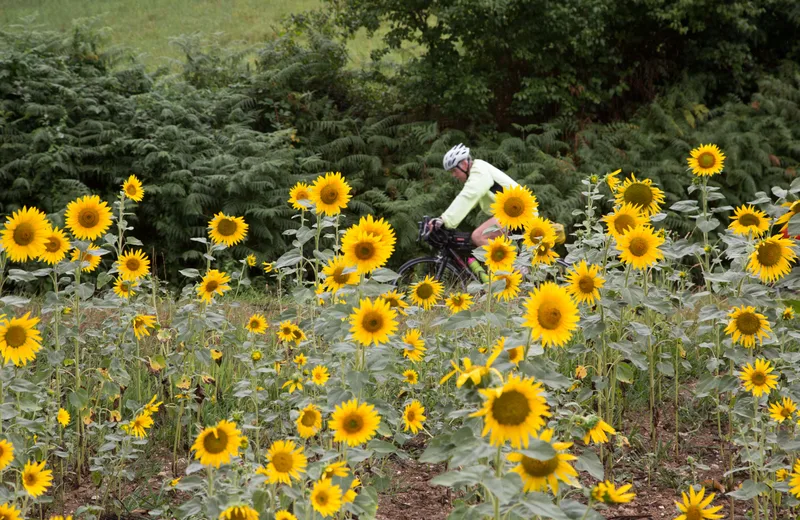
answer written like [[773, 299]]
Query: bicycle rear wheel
[[413, 271]]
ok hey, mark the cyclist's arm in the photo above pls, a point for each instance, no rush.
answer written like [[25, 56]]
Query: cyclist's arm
[[476, 187]]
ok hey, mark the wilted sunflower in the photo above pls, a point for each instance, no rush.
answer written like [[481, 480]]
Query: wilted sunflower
[[132, 188], [510, 286], [217, 445], [746, 326], [537, 231], [772, 258], [87, 218], [56, 246], [36, 479], [257, 324], [339, 273], [500, 254], [585, 283], [239, 513], [25, 234], [9, 512], [706, 160], [133, 265], [300, 196], [641, 194], [414, 345], [410, 376], [538, 474], [214, 282], [373, 322], [639, 247], [607, 493], [413, 417], [747, 221], [139, 425], [320, 375], [123, 288], [395, 301], [380, 228], [782, 410], [6, 454], [365, 251], [759, 379], [330, 193], [426, 292], [597, 430], [141, 324], [544, 254], [286, 461], [551, 314], [89, 259], [354, 423], [623, 219], [309, 421], [20, 340], [695, 508], [227, 230], [514, 207], [326, 499]]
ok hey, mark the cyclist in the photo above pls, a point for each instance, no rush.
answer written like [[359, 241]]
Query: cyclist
[[481, 182]]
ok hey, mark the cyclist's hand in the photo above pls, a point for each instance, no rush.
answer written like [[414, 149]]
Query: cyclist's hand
[[561, 236], [435, 223]]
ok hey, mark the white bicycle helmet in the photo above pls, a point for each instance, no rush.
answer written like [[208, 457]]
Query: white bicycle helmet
[[454, 156]]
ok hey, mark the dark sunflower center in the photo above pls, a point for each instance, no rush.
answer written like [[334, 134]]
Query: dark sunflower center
[[16, 336], [130, 189], [543, 250], [372, 322], [499, 254], [339, 277], [239, 514], [53, 245], [133, 264], [212, 286], [623, 223], [322, 498], [283, 462], [138, 323], [411, 416], [391, 301], [513, 353], [301, 195], [511, 408], [513, 207], [329, 194], [539, 468], [24, 234], [31, 479], [297, 334], [287, 331], [769, 254], [638, 194], [354, 423], [758, 378], [638, 246], [226, 227], [458, 300], [749, 219], [586, 284], [706, 160], [549, 316], [410, 378], [308, 419], [694, 513], [215, 442], [424, 291], [748, 323], [534, 234], [785, 412], [88, 218], [365, 250]]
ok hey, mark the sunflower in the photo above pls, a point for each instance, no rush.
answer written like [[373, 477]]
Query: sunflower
[[320, 375], [706, 160], [695, 508], [227, 230], [133, 265], [56, 246], [747, 326], [330, 193], [514, 207], [88, 257], [337, 469], [514, 354], [511, 283], [413, 417], [36, 479], [152, 406], [537, 474], [411, 377], [794, 209], [124, 288], [413, 339], [782, 474], [758, 379], [597, 430], [537, 231], [772, 258], [639, 247], [373, 322], [267, 266], [214, 282], [139, 425], [309, 421], [217, 445], [585, 283], [641, 194], [354, 423], [6, 454], [514, 411], [326, 499], [351, 495], [285, 462], [551, 314], [380, 228], [458, 302], [63, 417], [612, 180], [607, 493], [787, 314], [283, 514], [25, 234], [239, 513], [365, 251], [88, 218], [132, 188], [623, 219], [426, 292], [257, 324], [500, 254], [299, 196], [395, 301], [794, 483], [339, 273], [286, 330], [544, 254], [9, 512], [141, 324], [782, 410], [20, 340], [251, 260], [293, 384], [747, 221]]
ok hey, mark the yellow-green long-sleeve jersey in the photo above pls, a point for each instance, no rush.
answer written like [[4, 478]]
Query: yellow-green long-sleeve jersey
[[483, 182]]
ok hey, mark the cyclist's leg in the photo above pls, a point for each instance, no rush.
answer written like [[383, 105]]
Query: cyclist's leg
[[481, 239]]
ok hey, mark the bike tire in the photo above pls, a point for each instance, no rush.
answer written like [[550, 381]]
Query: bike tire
[[416, 269]]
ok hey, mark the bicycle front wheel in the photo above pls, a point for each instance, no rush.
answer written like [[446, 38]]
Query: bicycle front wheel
[[413, 271]]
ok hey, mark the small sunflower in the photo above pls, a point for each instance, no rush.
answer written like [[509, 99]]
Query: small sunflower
[[514, 354], [782, 410], [395, 301], [87, 218], [217, 445], [380, 228], [293, 385], [354, 423], [214, 282], [63, 417], [511, 284], [139, 425], [286, 330], [585, 283], [537, 231], [239, 513], [538, 474], [413, 417], [36, 479], [411, 377], [623, 219], [544, 254], [133, 265], [89, 259], [513, 412], [551, 314], [20, 340], [772, 258], [706, 160], [609, 494], [746, 326], [749, 221], [458, 302], [351, 495], [227, 230], [320, 375], [336, 469], [267, 267], [500, 254], [283, 514], [286, 461], [365, 251], [414, 345], [309, 421], [25, 234], [426, 292], [9, 512], [695, 508], [612, 180], [759, 379], [141, 324], [257, 324], [330, 193], [132, 188], [787, 314], [251, 260], [338, 273], [6, 454], [373, 322], [124, 288], [597, 430], [782, 474], [514, 207], [56, 247], [641, 194], [300, 196], [326, 499], [639, 247]]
